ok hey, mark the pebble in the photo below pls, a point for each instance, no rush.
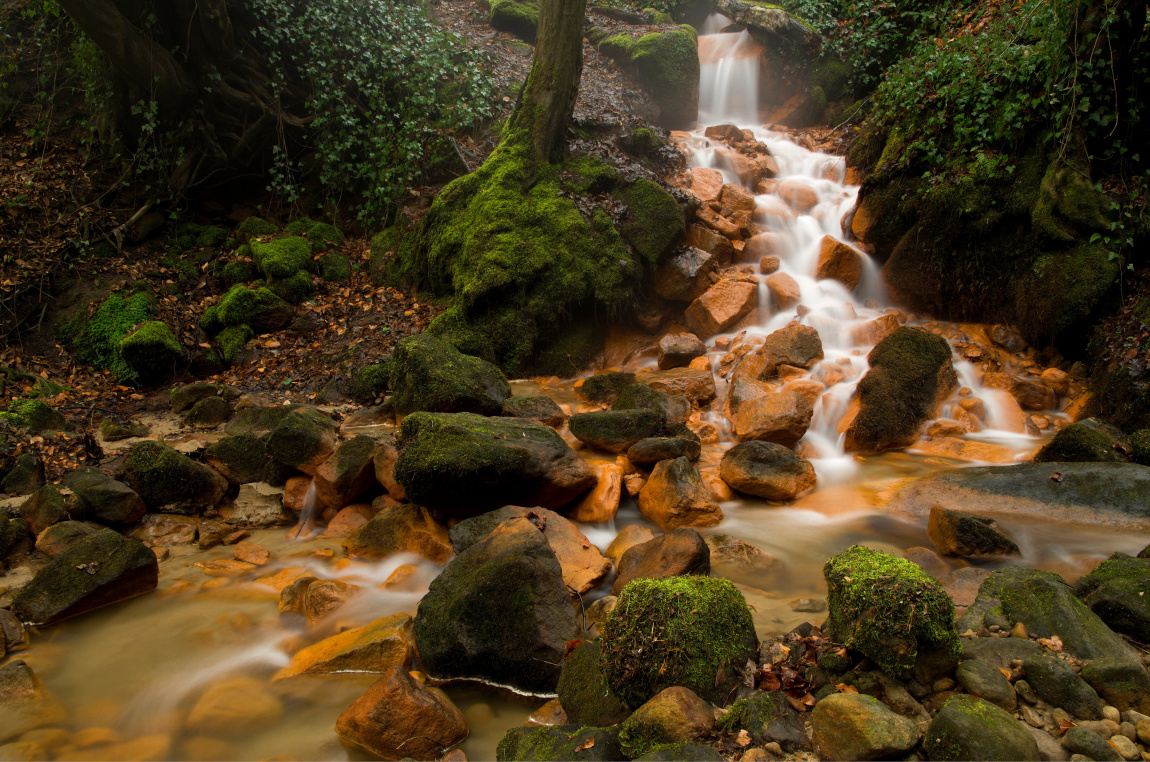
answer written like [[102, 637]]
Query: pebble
[[1129, 730], [1125, 747], [774, 748], [1135, 717], [1143, 730], [1111, 713], [1025, 692], [1031, 716], [942, 684], [1099, 727], [1019, 631]]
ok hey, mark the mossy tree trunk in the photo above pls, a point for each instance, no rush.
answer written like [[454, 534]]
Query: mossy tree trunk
[[547, 102]]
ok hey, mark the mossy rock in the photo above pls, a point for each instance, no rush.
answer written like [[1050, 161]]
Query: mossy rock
[[681, 752], [890, 610], [238, 272], [15, 536], [210, 322], [371, 381], [655, 221], [25, 476], [1090, 441], [232, 340], [33, 415], [673, 407], [304, 439], [105, 499], [282, 257], [181, 398], [293, 289], [258, 308], [95, 339], [616, 430], [254, 227], [688, 631], [667, 66], [585, 174], [559, 743], [605, 387], [208, 413], [1140, 447], [517, 17], [151, 352], [50, 504], [241, 458], [767, 717], [259, 420], [169, 482], [334, 268], [113, 431], [1116, 592], [583, 691], [970, 728], [431, 375], [323, 236], [832, 76]]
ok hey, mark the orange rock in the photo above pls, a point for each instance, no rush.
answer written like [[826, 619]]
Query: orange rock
[[714, 483], [781, 418], [235, 706], [946, 428], [1031, 394], [1078, 409], [769, 264], [784, 291], [961, 449], [709, 241], [349, 519], [1057, 380], [405, 528], [323, 597], [767, 166], [628, 537], [698, 386], [284, 577], [225, 568], [755, 367], [400, 718], [633, 483], [864, 219], [401, 573], [375, 647], [737, 198], [720, 307], [548, 715], [969, 422], [295, 492], [251, 553], [347, 474], [717, 222], [743, 167], [798, 195], [838, 261], [602, 503], [707, 184], [386, 456], [674, 496], [876, 330], [700, 363], [812, 390], [142, 749]]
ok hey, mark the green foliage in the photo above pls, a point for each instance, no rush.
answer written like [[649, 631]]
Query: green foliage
[[282, 257], [96, 339], [388, 86]]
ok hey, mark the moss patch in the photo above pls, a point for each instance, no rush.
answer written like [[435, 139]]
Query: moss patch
[[655, 222], [282, 257], [151, 352], [371, 381], [33, 415], [258, 308], [95, 340]]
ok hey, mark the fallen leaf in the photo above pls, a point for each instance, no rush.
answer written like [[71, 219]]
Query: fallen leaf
[[744, 738], [586, 745], [844, 688]]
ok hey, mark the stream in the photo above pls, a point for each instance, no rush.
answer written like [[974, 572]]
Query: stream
[[134, 669]]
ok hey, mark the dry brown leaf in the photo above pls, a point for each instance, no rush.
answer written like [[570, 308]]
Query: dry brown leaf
[[744, 738], [585, 745], [844, 688]]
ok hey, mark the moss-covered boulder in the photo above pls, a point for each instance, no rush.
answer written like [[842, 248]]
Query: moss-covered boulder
[[499, 611], [675, 408], [583, 692], [404, 528], [232, 341], [517, 17], [431, 375], [151, 352], [371, 381], [304, 439], [970, 728], [1047, 606], [321, 235], [102, 568], [674, 715], [183, 397], [688, 631], [208, 413], [238, 272], [654, 222], [667, 67], [105, 499], [95, 338], [112, 430], [282, 257], [254, 227], [24, 476], [767, 717], [50, 504], [1091, 441], [615, 430], [890, 610], [15, 538], [857, 726], [293, 289], [559, 743], [334, 268], [259, 419], [258, 308], [1120, 682], [536, 408], [910, 373], [33, 415], [605, 388], [1056, 682], [170, 482], [465, 464], [1116, 592], [241, 458]]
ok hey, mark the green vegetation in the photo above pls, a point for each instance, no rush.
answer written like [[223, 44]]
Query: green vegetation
[[151, 352], [96, 339], [32, 414]]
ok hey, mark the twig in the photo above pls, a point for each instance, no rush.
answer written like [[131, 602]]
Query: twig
[[460, 154], [852, 115]]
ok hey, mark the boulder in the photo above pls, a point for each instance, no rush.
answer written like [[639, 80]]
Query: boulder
[[890, 610], [1031, 394], [855, 726], [241, 458], [707, 183], [744, 390], [767, 717], [258, 420], [721, 306], [375, 647], [628, 537], [1116, 592], [984, 680], [910, 373], [314, 599], [500, 611], [160, 530], [615, 430], [648, 452], [666, 64], [559, 742], [405, 528], [779, 417], [685, 274], [50, 504], [208, 413], [600, 505], [400, 717], [385, 458], [304, 439], [1113, 494], [464, 464], [697, 385], [674, 408], [675, 496], [654, 219], [604, 388], [15, 538], [151, 351], [1000, 651], [582, 691], [97, 570], [673, 554], [676, 350], [34, 415], [105, 499], [25, 476], [1058, 684], [517, 17], [1087, 744], [784, 290], [26, 704], [1120, 682], [59, 537], [347, 474], [183, 397], [258, 308], [766, 470], [349, 518], [1088, 441], [537, 408], [970, 728], [1047, 606], [956, 533], [259, 505], [235, 706], [583, 566], [1008, 337], [674, 715], [431, 375], [170, 482], [839, 261], [795, 344], [694, 632]]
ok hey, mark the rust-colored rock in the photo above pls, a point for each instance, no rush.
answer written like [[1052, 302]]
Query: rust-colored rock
[[794, 344], [1057, 380], [674, 496], [235, 706], [720, 307], [838, 261], [1031, 394], [711, 242], [630, 536], [401, 718], [602, 503], [762, 245], [706, 183], [385, 457], [375, 647], [251, 553], [782, 418], [800, 196], [405, 528], [784, 291], [736, 198], [684, 275], [718, 222], [754, 367], [674, 554], [349, 519], [347, 474], [874, 331], [295, 492], [697, 385]]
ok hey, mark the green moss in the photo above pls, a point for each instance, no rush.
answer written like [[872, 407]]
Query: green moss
[[517, 17], [232, 339], [583, 692], [645, 141], [282, 257], [754, 714], [371, 381], [210, 322], [254, 227], [574, 350], [1061, 290], [888, 609], [675, 631], [259, 420], [655, 221], [666, 65], [34, 415], [259, 308], [238, 272], [832, 76], [300, 226], [166, 478], [1140, 447], [113, 431], [299, 436], [588, 175], [151, 352], [559, 743], [605, 387], [293, 289], [334, 268], [243, 457], [95, 339], [323, 236], [1086, 441], [383, 246]]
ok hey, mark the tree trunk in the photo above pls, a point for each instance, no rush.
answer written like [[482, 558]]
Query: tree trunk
[[547, 102]]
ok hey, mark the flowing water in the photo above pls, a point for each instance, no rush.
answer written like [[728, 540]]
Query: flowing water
[[135, 669]]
